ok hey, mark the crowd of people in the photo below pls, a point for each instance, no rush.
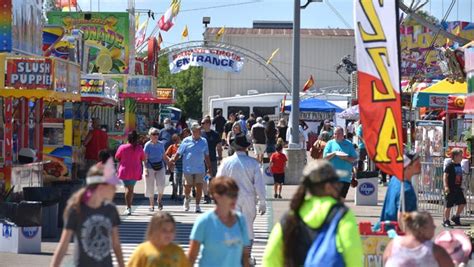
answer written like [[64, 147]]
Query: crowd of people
[[224, 235]]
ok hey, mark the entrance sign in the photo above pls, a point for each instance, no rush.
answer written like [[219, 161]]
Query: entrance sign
[[376, 28], [219, 59]]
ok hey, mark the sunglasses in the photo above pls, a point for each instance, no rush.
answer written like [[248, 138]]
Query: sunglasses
[[155, 134]]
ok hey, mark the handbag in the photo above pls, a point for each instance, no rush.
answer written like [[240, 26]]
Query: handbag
[[156, 165]]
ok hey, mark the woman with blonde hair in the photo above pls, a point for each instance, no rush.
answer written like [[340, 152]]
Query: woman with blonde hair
[[236, 129], [154, 173], [415, 248]]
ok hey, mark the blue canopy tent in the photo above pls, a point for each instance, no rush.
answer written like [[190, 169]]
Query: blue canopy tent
[[316, 105]]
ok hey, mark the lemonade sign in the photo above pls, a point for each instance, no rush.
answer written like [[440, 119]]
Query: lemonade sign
[[105, 33]]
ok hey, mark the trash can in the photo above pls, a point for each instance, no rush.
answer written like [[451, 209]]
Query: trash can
[[367, 189], [49, 198], [23, 214], [67, 188]]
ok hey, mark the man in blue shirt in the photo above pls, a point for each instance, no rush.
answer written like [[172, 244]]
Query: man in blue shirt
[[391, 204], [194, 151], [341, 153]]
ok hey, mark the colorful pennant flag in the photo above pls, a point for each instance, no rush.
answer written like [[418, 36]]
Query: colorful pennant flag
[[309, 83], [272, 56], [160, 40], [141, 33], [175, 5], [137, 21], [184, 34], [377, 51], [167, 20], [220, 33]]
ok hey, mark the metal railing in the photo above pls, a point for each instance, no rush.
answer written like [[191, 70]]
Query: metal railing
[[430, 189]]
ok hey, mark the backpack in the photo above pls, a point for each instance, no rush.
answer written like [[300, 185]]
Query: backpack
[[324, 247], [306, 250], [318, 149]]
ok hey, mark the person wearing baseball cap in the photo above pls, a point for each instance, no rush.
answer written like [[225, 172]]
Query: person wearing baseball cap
[[315, 203], [195, 152], [391, 205], [91, 217]]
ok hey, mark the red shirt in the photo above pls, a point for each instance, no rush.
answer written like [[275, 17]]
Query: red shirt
[[98, 142], [279, 162]]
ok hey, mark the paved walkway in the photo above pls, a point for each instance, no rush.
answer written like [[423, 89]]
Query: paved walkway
[[133, 228]]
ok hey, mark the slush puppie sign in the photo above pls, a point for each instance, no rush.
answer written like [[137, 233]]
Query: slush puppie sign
[[29, 73]]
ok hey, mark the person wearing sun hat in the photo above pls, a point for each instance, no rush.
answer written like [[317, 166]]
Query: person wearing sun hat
[[245, 170], [315, 202], [391, 205]]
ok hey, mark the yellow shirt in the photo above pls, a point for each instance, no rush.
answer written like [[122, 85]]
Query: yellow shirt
[[147, 255]]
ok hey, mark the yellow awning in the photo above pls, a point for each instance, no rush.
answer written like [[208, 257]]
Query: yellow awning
[[47, 95], [448, 88]]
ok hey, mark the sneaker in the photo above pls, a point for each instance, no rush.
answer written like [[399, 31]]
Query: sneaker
[[160, 205], [186, 203], [207, 200], [279, 196], [447, 224], [456, 219], [252, 261], [275, 196], [151, 209], [128, 211], [198, 209]]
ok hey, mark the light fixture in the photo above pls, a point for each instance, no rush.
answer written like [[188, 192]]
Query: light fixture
[[206, 21], [309, 2]]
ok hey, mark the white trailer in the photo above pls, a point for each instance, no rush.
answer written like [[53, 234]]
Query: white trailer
[[265, 104]]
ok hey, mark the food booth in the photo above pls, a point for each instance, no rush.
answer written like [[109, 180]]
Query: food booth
[[36, 96]]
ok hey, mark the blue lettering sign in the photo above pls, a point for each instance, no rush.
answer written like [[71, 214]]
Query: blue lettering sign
[[7, 230], [366, 189], [30, 232]]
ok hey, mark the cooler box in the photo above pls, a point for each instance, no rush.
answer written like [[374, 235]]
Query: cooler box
[[17, 239], [367, 189]]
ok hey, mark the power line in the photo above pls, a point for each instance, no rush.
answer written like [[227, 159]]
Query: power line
[[338, 14]]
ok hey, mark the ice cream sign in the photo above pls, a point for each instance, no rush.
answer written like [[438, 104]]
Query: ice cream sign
[[29, 73]]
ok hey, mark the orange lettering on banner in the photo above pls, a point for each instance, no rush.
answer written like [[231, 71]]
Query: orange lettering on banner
[[386, 93], [388, 136]]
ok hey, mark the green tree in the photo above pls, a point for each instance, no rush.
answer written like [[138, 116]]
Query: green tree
[[188, 85]]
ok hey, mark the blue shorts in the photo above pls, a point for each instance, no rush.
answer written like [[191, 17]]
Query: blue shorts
[[129, 182]]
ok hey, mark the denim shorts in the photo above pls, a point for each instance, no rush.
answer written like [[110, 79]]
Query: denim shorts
[[129, 182]]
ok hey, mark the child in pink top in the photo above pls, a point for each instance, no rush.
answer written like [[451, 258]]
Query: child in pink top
[[130, 157]]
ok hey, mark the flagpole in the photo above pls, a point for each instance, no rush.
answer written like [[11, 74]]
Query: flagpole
[[295, 93]]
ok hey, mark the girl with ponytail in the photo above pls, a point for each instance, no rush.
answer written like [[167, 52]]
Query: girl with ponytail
[[316, 199], [415, 248], [92, 218]]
